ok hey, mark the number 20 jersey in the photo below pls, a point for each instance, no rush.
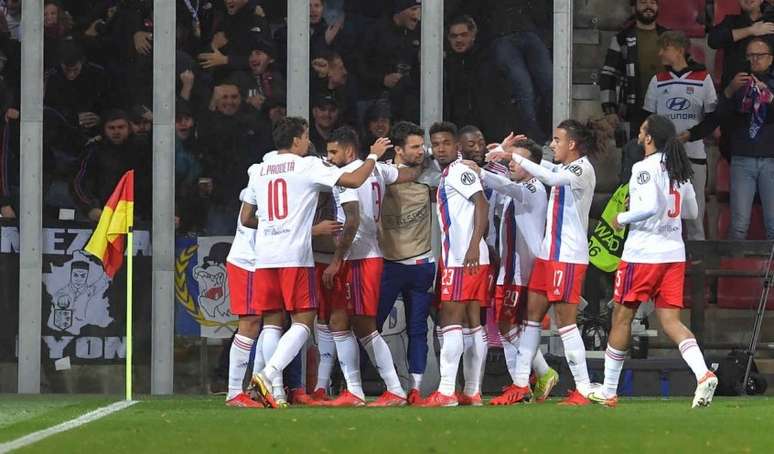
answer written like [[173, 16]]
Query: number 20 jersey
[[286, 188], [659, 238]]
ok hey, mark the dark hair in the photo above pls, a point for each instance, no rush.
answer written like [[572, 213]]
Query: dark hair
[[401, 130], [288, 129], [535, 150], [588, 140], [674, 38], [113, 115], [664, 135], [345, 136], [464, 19], [444, 126], [758, 39], [469, 129]]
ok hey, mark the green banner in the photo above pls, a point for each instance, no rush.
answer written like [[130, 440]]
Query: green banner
[[606, 244]]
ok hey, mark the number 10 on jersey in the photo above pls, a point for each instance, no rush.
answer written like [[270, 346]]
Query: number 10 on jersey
[[278, 199]]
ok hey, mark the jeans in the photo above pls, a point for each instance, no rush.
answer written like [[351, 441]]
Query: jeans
[[747, 176], [413, 282], [527, 65]]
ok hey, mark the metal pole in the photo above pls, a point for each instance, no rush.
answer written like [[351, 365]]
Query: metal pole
[[31, 206], [758, 324], [163, 316], [431, 56], [562, 60], [298, 58]]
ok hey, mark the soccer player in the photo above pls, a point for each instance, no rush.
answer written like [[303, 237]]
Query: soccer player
[[653, 261], [463, 274], [406, 239], [286, 185], [685, 94], [559, 269], [355, 271], [522, 226], [240, 267]]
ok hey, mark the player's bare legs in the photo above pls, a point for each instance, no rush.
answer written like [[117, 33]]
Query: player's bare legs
[[689, 350], [615, 354], [239, 357]]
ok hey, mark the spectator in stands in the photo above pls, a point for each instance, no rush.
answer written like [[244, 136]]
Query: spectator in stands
[[13, 18], [521, 52], [6, 209], [57, 25], [686, 95], [736, 31], [78, 89], [377, 123], [264, 80], [187, 170], [105, 160], [389, 60], [234, 38], [231, 137], [631, 62], [141, 121], [325, 118], [333, 80], [750, 98], [474, 93]]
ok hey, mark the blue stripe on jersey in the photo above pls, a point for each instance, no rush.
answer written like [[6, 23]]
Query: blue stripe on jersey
[[558, 222], [510, 244], [443, 203], [679, 82]]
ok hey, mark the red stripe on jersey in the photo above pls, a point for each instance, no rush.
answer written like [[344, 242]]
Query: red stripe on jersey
[[697, 75], [663, 76]]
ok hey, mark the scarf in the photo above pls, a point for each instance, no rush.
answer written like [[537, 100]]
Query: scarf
[[756, 99]]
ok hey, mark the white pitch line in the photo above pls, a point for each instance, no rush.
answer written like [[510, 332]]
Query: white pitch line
[[67, 425]]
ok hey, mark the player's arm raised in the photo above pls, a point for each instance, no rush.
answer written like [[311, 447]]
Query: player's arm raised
[[358, 176], [480, 224], [498, 183], [351, 224]]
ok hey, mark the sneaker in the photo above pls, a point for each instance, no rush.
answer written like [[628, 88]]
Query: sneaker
[[281, 402], [512, 394], [299, 396], [575, 399], [388, 399], [544, 385], [261, 387], [345, 399], [473, 401], [705, 390], [437, 399], [414, 397], [243, 400], [319, 395], [600, 398]]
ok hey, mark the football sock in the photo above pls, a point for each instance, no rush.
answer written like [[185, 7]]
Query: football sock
[[287, 348], [271, 336], [384, 364], [614, 360], [439, 336], [416, 381], [238, 358], [327, 349], [472, 360], [510, 350], [258, 362], [348, 353], [575, 352], [691, 353], [451, 351], [528, 346]]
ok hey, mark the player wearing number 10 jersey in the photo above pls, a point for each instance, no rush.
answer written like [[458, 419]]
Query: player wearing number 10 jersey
[[286, 187], [653, 260]]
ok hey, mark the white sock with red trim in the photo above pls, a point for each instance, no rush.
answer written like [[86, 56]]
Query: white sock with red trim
[[527, 349], [472, 361], [327, 349], [439, 336], [692, 355], [238, 357], [575, 352], [258, 362], [510, 350], [271, 337], [349, 359], [614, 361], [451, 351], [384, 364], [287, 348]]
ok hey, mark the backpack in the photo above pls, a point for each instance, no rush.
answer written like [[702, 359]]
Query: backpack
[[730, 371]]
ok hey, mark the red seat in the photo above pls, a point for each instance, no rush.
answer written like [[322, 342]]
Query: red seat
[[699, 53], [724, 8], [722, 176], [756, 231], [684, 15], [742, 292]]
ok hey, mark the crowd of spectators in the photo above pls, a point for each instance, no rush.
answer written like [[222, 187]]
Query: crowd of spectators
[[231, 67]]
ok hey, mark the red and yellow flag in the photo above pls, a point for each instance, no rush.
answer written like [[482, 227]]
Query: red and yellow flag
[[107, 241]]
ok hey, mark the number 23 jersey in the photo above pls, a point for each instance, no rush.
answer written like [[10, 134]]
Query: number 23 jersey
[[286, 188], [658, 238]]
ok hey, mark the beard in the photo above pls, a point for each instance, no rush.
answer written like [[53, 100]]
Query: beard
[[647, 20]]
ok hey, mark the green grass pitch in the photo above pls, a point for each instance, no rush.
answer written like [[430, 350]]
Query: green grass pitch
[[204, 424]]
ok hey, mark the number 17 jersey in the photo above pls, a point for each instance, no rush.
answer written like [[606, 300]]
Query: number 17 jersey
[[286, 188]]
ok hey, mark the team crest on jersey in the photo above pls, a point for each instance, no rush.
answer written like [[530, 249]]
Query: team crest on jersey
[[689, 90], [643, 177], [468, 178], [531, 188], [576, 169]]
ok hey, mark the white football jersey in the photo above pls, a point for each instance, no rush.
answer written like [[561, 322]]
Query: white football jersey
[[522, 226], [567, 219], [369, 197], [493, 197], [655, 211], [456, 213], [286, 188], [685, 100], [242, 252]]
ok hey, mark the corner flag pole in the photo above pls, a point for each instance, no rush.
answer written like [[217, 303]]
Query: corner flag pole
[[129, 263]]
